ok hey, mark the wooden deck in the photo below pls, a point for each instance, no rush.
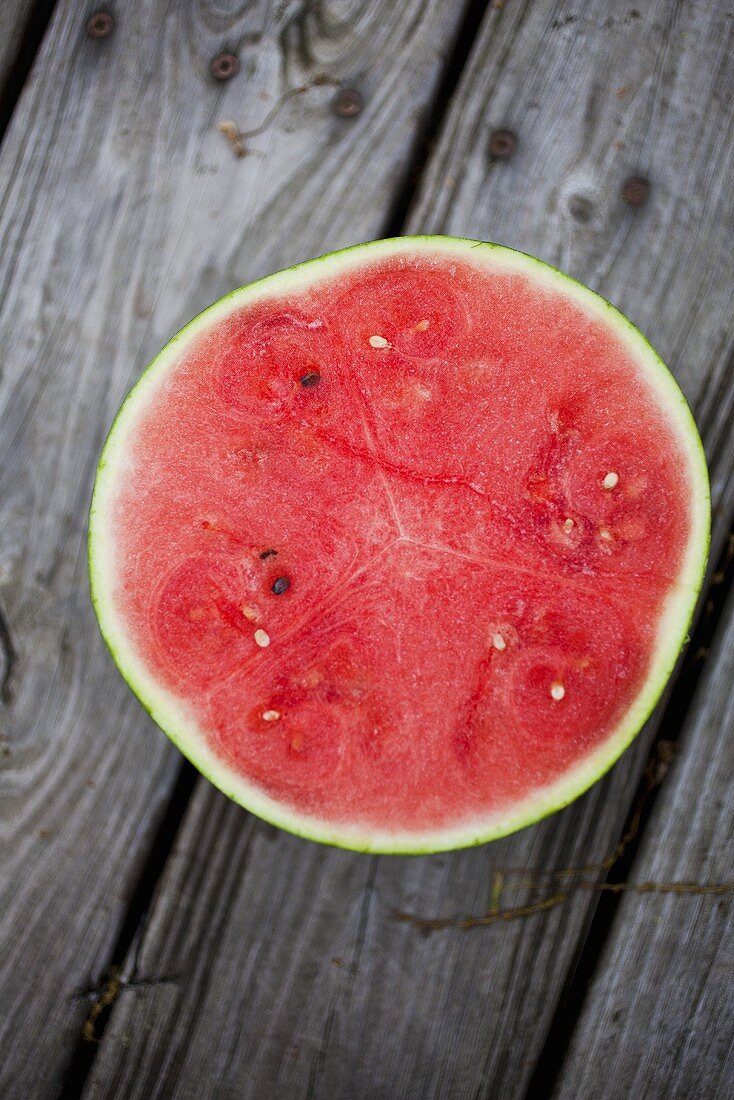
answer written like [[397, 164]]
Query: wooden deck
[[157, 941]]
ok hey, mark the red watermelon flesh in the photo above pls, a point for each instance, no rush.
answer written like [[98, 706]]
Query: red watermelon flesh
[[404, 545]]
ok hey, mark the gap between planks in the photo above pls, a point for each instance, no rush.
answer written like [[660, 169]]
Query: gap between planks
[[23, 24], [132, 929], [427, 135]]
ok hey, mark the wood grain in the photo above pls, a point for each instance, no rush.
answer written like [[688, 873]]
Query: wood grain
[[125, 211], [272, 967], [657, 1020]]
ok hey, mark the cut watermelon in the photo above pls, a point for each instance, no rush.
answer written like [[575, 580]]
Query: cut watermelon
[[400, 545]]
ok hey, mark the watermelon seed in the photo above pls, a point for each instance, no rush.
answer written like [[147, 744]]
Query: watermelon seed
[[499, 642], [251, 614], [280, 585], [267, 554], [379, 342], [311, 379], [557, 691], [262, 638], [611, 480], [568, 525], [271, 715], [422, 326], [606, 540]]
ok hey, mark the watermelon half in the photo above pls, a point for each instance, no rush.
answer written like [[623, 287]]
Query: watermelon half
[[400, 546]]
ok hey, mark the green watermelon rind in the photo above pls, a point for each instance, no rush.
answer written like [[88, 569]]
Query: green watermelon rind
[[169, 712]]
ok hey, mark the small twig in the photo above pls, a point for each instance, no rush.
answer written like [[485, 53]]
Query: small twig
[[236, 137], [702, 888], [495, 916], [495, 895], [233, 136], [108, 995], [655, 771], [436, 923]]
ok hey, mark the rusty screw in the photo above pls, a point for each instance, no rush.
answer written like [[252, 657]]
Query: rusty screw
[[502, 144], [347, 103], [635, 190], [224, 66], [100, 24]]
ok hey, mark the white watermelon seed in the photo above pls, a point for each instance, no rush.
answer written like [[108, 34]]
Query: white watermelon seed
[[557, 691], [422, 326], [250, 613], [379, 342], [271, 715], [611, 480], [605, 535], [261, 638], [499, 642], [568, 525]]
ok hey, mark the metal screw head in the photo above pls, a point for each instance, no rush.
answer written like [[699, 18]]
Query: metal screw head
[[502, 144], [224, 66], [347, 103], [635, 190], [100, 24]]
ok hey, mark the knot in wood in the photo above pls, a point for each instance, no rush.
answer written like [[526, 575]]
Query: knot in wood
[[580, 208]]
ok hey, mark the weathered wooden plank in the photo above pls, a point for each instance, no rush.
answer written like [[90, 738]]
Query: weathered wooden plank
[[126, 211], [657, 1020], [271, 967]]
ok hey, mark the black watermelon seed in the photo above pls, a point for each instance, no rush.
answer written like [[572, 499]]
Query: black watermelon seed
[[311, 379], [268, 554], [279, 586]]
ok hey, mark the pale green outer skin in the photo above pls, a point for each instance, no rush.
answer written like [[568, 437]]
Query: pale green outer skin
[[170, 712]]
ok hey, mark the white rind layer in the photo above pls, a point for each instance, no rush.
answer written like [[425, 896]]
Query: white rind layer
[[171, 713]]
